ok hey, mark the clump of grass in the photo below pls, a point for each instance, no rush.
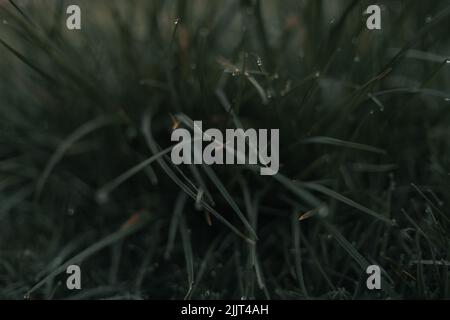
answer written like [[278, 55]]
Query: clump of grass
[[85, 176]]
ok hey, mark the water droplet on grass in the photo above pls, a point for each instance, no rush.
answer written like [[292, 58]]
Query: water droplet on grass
[[259, 62], [102, 197], [428, 19], [323, 211], [356, 59]]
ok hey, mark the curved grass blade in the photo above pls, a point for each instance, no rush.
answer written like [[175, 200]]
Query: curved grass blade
[[341, 198], [343, 143], [77, 135], [359, 259], [146, 127], [22, 58], [125, 231]]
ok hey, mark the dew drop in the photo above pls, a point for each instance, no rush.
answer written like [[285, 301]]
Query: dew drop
[[356, 59], [259, 62], [102, 197], [5, 22], [235, 72], [176, 21], [323, 211], [332, 21], [286, 89], [447, 61], [317, 74], [447, 99], [428, 19]]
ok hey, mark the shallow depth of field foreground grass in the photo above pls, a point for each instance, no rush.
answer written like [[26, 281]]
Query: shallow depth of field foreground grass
[[86, 176]]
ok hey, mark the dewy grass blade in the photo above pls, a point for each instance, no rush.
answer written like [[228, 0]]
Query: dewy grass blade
[[154, 148], [359, 259], [341, 198]]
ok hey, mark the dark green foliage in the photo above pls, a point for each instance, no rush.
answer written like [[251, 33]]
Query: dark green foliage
[[86, 176]]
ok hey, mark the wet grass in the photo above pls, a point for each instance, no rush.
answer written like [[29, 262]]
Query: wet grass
[[86, 175]]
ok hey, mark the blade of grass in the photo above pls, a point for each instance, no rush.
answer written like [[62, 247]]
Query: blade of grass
[[77, 135], [342, 143], [120, 234], [146, 127], [359, 259], [333, 194]]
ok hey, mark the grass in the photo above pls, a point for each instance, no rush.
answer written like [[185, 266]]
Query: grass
[[85, 175]]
